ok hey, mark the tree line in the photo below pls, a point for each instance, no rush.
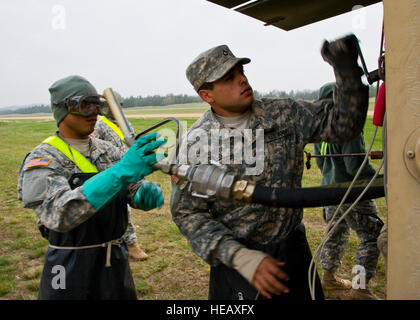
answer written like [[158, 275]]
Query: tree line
[[42, 108], [158, 100], [169, 99]]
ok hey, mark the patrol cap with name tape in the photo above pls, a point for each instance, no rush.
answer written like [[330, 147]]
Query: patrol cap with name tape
[[211, 65]]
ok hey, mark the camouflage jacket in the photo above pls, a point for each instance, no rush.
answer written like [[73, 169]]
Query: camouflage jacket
[[44, 187], [217, 229]]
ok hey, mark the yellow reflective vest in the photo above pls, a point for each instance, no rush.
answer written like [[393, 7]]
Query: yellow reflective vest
[[80, 161], [323, 150]]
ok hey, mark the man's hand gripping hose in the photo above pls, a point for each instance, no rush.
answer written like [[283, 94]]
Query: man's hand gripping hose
[[136, 164]]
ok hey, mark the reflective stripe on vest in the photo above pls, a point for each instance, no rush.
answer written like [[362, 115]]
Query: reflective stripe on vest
[[80, 161], [113, 127], [324, 148]]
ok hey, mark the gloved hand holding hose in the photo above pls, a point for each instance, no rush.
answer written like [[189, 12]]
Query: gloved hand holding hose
[[134, 165]]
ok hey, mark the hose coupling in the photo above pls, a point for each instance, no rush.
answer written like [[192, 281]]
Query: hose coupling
[[243, 190]]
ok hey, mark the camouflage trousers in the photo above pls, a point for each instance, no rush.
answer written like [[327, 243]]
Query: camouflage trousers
[[130, 236], [364, 220]]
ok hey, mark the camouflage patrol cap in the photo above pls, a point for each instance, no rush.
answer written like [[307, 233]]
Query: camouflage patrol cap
[[211, 65]]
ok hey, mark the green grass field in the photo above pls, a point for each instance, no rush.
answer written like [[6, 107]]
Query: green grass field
[[172, 270]]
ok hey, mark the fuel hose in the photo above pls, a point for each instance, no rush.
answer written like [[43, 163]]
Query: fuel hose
[[316, 196]]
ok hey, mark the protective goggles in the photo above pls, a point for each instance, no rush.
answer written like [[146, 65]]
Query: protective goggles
[[85, 105]]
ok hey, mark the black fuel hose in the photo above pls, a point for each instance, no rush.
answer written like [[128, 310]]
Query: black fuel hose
[[316, 196]]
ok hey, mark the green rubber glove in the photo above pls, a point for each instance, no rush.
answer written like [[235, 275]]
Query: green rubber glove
[[149, 196], [133, 166]]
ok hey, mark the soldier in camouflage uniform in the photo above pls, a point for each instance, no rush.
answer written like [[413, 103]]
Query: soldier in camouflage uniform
[[363, 218], [81, 212], [256, 250], [104, 132]]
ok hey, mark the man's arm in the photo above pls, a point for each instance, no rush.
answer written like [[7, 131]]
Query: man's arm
[[48, 193], [341, 119]]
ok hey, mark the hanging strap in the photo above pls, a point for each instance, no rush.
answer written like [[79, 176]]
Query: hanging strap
[[81, 162], [113, 126]]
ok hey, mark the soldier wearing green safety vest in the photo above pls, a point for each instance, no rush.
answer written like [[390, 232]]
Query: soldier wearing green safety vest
[[79, 188], [107, 129], [363, 218]]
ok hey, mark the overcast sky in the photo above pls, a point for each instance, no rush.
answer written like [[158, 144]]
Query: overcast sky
[[140, 47]]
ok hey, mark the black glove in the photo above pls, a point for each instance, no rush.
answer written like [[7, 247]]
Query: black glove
[[341, 54]]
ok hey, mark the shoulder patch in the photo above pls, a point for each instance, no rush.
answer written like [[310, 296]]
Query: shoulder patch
[[175, 179], [39, 162], [94, 134]]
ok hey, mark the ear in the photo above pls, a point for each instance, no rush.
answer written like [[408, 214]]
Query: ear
[[206, 95]]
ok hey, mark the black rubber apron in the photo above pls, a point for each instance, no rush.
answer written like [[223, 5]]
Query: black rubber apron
[[85, 272], [228, 284]]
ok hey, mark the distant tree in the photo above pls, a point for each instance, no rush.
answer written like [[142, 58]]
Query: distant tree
[[28, 110]]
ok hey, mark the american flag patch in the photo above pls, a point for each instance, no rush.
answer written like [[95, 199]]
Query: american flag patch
[[175, 179], [94, 134], [39, 162]]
